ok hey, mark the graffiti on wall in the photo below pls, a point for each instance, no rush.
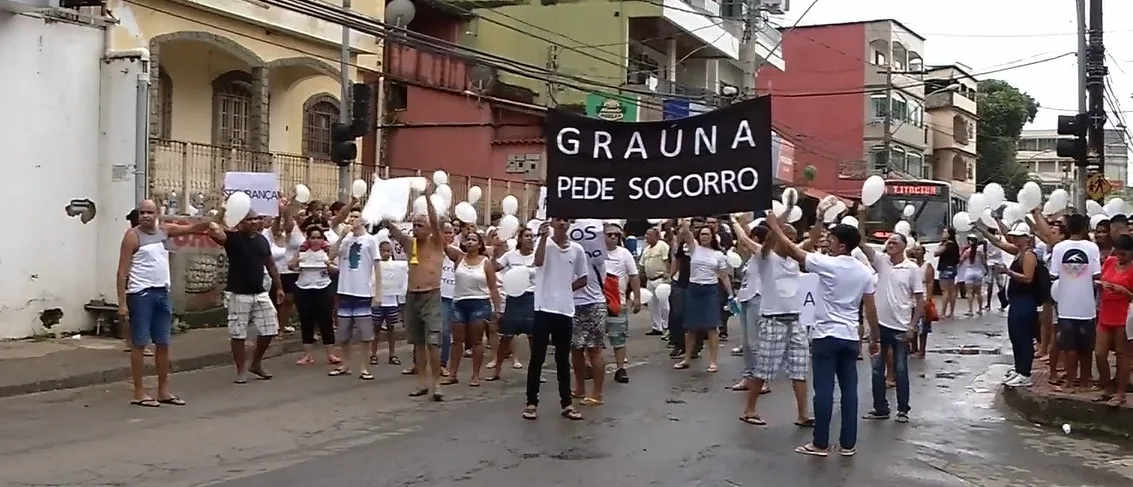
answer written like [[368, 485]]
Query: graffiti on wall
[[198, 267]]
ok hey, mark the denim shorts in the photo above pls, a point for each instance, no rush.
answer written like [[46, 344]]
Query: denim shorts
[[947, 273], [519, 315], [151, 317], [466, 311]]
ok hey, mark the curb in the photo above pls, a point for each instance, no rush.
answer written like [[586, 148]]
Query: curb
[[1081, 415], [287, 345]]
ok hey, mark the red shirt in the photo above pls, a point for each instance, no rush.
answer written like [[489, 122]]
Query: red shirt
[[1115, 305]]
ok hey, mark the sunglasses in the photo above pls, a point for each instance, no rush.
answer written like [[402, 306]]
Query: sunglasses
[[613, 234]]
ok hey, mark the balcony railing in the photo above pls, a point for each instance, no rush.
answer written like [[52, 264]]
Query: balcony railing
[[197, 170], [440, 70]]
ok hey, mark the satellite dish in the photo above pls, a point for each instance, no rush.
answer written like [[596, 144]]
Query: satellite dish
[[482, 78], [400, 13]]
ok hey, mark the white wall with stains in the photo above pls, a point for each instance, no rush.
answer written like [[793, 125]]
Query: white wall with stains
[[49, 137]]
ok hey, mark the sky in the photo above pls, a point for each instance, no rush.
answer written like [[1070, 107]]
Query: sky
[[988, 34]]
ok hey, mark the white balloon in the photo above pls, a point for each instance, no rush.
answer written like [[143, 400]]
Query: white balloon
[[987, 218], [656, 221], [418, 183], [662, 292], [516, 281], [509, 224], [976, 204], [440, 203], [790, 196], [778, 209], [510, 205], [512, 243], [872, 189], [1054, 290], [382, 235], [994, 195], [1112, 209], [440, 177], [834, 211], [1048, 208], [419, 205], [302, 193], [1094, 208], [474, 194], [851, 221], [445, 191], [962, 222], [1028, 200], [1095, 220], [795, 214], [734, 259], [646, 297], [1033, 187], [902, 227], [358, 189], [236, 207], [465, 212], [1117, 203], [1012, 212], [909, 211], [1060, 199]]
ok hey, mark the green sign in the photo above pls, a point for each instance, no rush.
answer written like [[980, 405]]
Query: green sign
[[611, 107]]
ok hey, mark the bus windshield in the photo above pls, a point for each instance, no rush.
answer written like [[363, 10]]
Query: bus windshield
[[931, 214]]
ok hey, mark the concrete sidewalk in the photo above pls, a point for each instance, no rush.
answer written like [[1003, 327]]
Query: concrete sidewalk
[[1043, 405], [31, 366]]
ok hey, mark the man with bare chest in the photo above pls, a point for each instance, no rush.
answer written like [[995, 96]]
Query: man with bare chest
[[423, 301]]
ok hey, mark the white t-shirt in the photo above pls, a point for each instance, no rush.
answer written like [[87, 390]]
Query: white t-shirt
[[1075, 263], [842, 280], [553, 280], [592, 292], [897, 287], [704, 265], [513, 259], [619, 262], [282, 255], [780, 277], [448, 278], [750, 286], [356, 258], [313, 278]]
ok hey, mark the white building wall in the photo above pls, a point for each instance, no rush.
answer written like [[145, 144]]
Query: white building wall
[[49, 91]]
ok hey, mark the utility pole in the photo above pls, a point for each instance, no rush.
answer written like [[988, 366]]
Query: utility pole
[[1096, 72], [344, 104], [552, 67]]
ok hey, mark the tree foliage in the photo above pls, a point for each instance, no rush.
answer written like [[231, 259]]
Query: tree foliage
[[1003, 110]]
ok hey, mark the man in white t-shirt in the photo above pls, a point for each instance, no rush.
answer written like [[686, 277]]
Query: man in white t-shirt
[[900, 303], [620, 263], [1075, 264], [560, 270], [845, 285], [358, 262], [589, 334]]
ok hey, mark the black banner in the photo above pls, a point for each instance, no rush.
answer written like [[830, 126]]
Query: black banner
[[717, 162]]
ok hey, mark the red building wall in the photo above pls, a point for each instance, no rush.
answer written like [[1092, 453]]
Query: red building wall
[[827, 129]]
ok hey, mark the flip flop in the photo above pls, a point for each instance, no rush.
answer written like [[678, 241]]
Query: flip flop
[[419, 393], [712, 369], [146, 403], [680, 365], [809, 423], [260, 374], [450, 381], [590, 401], [338, 372], [571, 413], [473, 383], [366, 376], [374, 360], [409, 371], [739, 387], [530, 414], [492, 378], [172, 401], [809, 449], [516, 365], [394, 361], [754, 420]]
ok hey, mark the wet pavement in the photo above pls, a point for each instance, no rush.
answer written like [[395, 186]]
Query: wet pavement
[[664, 428]]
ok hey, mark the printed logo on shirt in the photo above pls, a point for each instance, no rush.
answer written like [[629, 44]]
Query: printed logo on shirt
[[354, 256], [1075, 263]]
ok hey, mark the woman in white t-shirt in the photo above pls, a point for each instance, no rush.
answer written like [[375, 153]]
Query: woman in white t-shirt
[[285, 238], [314, 295], [707, 277], [475, 296], [519, 311]]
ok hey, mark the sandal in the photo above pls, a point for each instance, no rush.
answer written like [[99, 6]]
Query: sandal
[[409, 371], [680, 365], [590, 401], [419, 392], [1102, 398], [810, 449], [753, 419], [739, 387], [374, 360], [333, 360], [305, 360], [571, 413], [807, 423], [712, 369], [577, 395], [448, 381], [338, 372], [492, 378], [172, 401], [393, 360], [146, 403], [1116, 402], [516, 365], [530, 414], [366, 376]]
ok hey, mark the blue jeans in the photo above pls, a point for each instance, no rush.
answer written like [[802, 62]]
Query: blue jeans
[[835, 357], [151, 317], [1022, 320], [891, 340], [446, 330], [749, 318]]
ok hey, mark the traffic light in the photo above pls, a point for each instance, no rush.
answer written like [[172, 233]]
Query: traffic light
[[1075, 148], [343, 150]]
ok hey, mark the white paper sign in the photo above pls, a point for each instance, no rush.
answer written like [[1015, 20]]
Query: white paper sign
[[388, 200], [395, 277], [590, 233], [315, 259], [262, 187], [541, 208], [809, 296]]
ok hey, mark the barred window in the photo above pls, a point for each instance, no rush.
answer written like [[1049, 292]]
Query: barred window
[[319, 112]]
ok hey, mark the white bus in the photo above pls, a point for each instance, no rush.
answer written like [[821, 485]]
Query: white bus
[[933, 206]]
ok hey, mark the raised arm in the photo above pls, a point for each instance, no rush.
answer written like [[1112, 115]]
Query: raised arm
[[744, 244], [541, 244], [995, 240], [785, 247], [434, 221]]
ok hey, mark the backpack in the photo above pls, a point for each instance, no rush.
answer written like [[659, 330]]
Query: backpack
[[611, 289], [1041, 281]]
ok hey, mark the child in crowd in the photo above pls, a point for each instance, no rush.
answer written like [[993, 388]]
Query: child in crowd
[[386, 306]]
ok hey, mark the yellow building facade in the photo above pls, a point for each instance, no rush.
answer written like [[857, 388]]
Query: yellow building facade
[[240, 85]]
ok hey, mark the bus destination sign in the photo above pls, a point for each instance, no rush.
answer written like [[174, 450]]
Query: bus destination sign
[[907, 189]]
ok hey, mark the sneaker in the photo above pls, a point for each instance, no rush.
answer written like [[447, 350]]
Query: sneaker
[[902, 418], [621, 377], [875, 415], [653, 333], [1020, 380], [738, 352], [1010, 377], [847, 452]]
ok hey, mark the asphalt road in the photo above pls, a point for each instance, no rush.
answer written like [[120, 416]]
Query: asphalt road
[[664, 428]]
